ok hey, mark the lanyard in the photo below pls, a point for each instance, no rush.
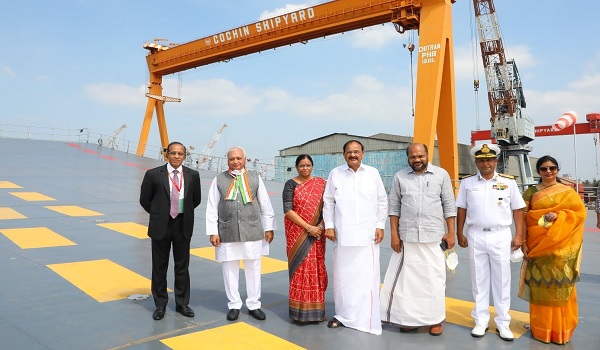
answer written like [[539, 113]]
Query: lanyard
[[180, 182]]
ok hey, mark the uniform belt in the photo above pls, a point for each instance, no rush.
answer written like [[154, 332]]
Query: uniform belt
[[489, 229]]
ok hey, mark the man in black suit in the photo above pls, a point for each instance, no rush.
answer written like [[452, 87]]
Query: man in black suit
[[169, 193]]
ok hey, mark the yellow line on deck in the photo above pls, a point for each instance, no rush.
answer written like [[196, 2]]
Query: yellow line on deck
[[8, 184], [36, 237], [268, 265], [9, 213], [73, 210], [103, 279], [235, 336], [32, 196], [459, 312], [129, 228]]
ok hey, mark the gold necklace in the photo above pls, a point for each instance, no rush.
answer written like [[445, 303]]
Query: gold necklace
[[546, 193]]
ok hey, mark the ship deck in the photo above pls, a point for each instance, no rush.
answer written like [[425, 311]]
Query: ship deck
[[75, 266]]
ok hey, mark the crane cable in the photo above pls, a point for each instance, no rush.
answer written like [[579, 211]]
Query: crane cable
[[474, 50], [411, 47]]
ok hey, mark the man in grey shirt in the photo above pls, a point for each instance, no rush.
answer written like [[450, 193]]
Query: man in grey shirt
[[422, 215]]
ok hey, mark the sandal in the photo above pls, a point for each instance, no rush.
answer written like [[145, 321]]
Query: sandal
[[334, 323]]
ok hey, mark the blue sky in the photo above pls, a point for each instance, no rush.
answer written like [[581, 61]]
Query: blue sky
[[80, 63]]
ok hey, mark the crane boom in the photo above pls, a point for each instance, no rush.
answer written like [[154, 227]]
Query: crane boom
[[210, 146], [112, 142], [510, 129], [435, 92]]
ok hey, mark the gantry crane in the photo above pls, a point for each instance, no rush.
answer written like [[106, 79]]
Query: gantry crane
[[435, 91], [511, 130]]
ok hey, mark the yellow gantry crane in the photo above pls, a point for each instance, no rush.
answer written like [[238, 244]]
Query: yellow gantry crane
[[435, 108]]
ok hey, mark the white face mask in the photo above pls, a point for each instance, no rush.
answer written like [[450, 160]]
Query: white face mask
[[451, 259], [516, 255]]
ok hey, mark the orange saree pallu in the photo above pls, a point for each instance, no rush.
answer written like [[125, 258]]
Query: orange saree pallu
[[548, 281], [306, 255]]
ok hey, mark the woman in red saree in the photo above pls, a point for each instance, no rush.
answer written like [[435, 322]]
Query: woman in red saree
[[552, 247], [302, 205]]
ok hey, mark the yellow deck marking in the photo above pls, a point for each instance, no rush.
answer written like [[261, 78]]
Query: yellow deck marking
[[8, 184], [9, 213], [235, 336], [73, 210], [36, 237], [129, 228], [103, 279], [32, 196], [268, 265], [459, 312]]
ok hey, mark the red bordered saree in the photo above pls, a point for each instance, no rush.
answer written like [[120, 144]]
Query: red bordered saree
[[306, 255]]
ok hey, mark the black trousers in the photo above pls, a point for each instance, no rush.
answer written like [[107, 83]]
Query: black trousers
[[161, 250]]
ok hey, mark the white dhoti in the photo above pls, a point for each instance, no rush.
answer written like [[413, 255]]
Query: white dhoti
[[414, 288], [250, 253], [356, 279]]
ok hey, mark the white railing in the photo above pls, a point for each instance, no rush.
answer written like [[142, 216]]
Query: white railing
[[82, 135]]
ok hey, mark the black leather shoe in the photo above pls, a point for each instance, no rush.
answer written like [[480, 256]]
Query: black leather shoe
[[233, 314], [159, 313], [258, 314], [185, 310]]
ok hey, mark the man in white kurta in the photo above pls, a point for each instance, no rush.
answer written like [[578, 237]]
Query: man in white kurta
[[422, 215], [354, 211], [488, 204], [240, 222]]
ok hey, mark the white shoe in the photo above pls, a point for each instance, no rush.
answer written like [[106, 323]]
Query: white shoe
[[479, 331], [505, 333]]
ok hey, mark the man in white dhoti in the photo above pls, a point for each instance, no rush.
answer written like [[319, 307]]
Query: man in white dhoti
[[422, 215], [488, 203], [240, 222], [354, 211]]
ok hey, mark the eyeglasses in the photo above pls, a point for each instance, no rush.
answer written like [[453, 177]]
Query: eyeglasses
[[173, 153], [546, 168]]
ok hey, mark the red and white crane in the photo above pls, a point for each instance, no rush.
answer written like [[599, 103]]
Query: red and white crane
[[510, 129]]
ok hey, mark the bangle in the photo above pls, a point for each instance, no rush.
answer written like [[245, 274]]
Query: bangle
[[524, 241]]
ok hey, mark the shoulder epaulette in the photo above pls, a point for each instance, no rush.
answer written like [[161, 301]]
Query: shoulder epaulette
[[506, 176], [464, 177]]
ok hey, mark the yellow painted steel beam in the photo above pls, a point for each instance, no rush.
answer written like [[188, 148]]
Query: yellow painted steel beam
[[435, 107]]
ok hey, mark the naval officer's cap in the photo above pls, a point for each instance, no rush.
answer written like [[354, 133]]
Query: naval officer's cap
[[485, 151]]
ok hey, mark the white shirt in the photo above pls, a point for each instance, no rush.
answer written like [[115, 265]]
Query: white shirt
[[179, 175], [240, 250], [355, 204], [489, 203]]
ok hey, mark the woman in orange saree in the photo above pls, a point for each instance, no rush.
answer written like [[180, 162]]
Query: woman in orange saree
[[552, 247], [302, 205]]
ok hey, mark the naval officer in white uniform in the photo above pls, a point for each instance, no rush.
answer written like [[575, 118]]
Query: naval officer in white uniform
[[488, 203]]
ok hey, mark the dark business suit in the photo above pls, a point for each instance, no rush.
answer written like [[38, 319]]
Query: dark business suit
[[164, 231]]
